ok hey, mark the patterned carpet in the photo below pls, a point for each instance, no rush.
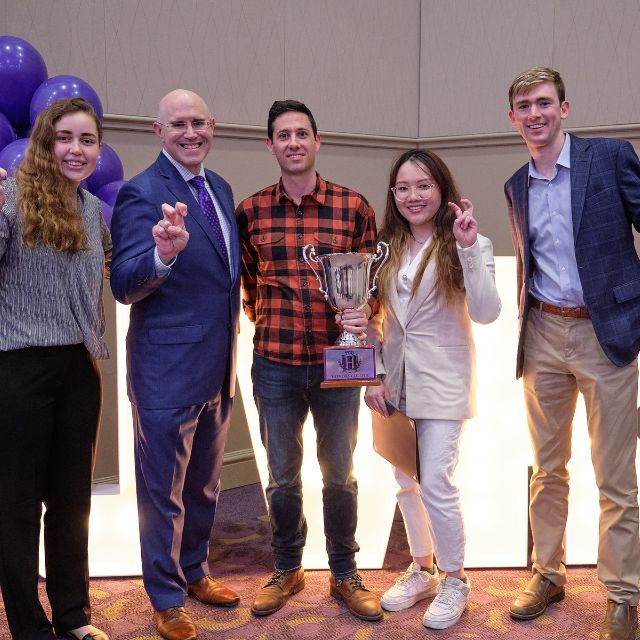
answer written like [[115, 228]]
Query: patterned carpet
[[241, 555]]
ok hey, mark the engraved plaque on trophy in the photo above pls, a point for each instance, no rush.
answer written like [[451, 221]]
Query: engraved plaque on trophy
[[346, 287]]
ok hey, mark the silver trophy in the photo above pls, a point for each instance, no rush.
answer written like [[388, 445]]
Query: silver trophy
[[346, 280]]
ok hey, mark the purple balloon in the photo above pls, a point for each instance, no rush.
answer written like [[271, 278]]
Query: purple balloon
[[59, 87], [7, 134], [22, 71], [109, 192], [12, 155], [107, 212], [108, 169]]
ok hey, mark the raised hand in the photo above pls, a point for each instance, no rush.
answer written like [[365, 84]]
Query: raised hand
[[465, 227], [170, 234]]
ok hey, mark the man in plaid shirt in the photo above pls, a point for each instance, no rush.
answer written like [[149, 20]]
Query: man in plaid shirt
[[293, 323]]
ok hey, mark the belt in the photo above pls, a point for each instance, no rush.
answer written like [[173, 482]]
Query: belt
[[565, 312]]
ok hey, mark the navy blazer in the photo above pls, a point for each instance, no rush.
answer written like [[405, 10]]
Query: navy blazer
[[181, 343], [605, 203]]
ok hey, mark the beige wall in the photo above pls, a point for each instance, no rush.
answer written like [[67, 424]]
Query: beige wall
[[380, 76]]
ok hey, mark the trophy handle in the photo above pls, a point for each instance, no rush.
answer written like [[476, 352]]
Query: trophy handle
[[382, 256], [309, 255]]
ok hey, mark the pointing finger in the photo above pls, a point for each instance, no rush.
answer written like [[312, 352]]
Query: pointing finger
[[455, 208], [174, 215], [181, 209]]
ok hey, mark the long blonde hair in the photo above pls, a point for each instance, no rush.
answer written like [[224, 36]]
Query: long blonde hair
[[49, 209], [396, 231]]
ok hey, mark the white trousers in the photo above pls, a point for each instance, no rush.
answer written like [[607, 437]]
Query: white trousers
[[431, 510]]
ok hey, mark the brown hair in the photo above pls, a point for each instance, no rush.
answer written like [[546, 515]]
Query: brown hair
[[49, 209], [396, 231], [524, 82]]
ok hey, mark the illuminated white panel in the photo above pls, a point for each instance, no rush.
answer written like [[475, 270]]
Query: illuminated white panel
[[492, 473], [495, 453]]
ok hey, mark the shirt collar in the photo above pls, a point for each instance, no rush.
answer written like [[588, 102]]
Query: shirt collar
[[182, 170], [319, 193], [564, 160]]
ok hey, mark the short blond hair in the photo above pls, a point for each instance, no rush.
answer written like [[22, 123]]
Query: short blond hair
[[525, 81]]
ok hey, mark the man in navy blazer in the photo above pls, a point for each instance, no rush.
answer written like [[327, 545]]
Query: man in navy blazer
[[571, 209], [176, 260]]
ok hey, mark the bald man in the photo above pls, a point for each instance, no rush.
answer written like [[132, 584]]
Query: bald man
[[176, 262]]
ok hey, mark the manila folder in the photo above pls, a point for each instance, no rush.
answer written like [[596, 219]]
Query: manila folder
[[394, 438]]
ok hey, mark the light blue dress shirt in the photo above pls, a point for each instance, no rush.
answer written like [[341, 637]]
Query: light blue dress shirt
[[555, 273]]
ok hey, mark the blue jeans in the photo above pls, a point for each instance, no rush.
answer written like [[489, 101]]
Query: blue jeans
[[284, 394]]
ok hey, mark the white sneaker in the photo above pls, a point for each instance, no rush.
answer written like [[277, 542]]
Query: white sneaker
[[411, 586], [448, 605]]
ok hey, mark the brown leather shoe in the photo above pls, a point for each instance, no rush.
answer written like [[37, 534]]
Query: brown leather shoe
[[532, 602], [620, 623], [174, 624], [276, 592], [360, 601], [210, 591]]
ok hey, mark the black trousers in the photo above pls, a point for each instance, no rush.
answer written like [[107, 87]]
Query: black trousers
[[50, 401]]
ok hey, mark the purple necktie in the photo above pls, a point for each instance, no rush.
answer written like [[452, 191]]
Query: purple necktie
[[206, 204]]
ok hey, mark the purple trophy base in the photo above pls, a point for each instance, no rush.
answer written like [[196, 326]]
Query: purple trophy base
[[352, 366]]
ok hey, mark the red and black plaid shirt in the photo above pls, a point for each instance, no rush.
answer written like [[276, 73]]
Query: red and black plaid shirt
[[280, 293]]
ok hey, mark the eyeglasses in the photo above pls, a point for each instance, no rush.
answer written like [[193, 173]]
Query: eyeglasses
[[403, 191], [181, 125]]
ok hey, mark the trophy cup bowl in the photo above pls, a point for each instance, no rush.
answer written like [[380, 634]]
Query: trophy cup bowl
[[345, 286]]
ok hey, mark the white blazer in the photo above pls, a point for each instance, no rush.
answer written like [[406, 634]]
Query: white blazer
[[430, 345]]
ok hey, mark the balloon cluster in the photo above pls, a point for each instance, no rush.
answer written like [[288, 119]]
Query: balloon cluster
[[26, 91]]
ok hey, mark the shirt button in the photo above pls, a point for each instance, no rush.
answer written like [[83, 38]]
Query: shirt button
[[300, 259], [404, 276], [307, 307], [300, 236], [305, 283]]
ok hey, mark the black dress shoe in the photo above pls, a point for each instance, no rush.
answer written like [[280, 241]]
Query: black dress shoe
[[532, 602]]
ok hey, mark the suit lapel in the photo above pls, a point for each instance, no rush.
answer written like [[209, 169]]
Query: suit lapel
[[396, 307], [581, 155], [426, 288], [180, 189], [176, 185], [521, 208]]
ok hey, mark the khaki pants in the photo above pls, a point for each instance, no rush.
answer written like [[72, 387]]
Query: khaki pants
[[562, 357]]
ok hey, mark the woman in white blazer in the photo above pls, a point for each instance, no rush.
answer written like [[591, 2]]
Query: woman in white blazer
[[439, 277]]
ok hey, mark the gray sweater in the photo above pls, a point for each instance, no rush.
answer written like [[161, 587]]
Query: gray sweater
[[50, 297]]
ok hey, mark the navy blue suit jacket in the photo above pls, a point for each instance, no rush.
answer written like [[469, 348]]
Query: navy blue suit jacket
[[181, 344], [605, 203]]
